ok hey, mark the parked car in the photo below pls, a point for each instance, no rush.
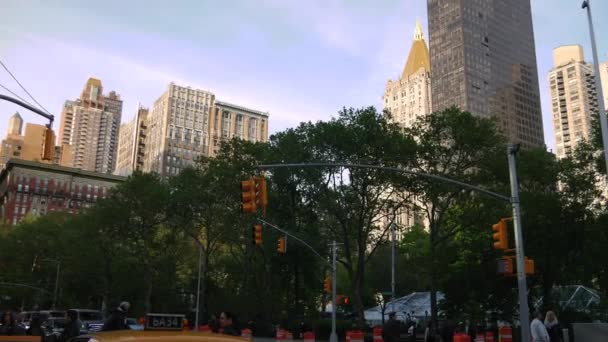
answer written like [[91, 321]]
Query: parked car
[[92, 320], [134, 324], [54, 326]]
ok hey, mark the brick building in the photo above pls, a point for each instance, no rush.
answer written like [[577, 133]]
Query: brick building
[[34, 188]]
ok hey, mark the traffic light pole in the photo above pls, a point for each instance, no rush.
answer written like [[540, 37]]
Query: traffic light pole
[[334, 336], [524, 314]]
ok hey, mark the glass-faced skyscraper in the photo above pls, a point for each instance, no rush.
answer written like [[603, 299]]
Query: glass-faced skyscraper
[[483, 60]]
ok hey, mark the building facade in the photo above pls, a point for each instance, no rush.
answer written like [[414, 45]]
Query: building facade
[[90, 125], [28, 146], [35, 189], [573, 98], [409, 97], [483, 60], [185, 123], [604, 79], [131, 143]]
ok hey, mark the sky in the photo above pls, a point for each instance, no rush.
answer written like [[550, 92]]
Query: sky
[[299, 60]]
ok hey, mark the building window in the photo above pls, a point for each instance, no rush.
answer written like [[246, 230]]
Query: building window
[[239, 126], [225, 124], [253, 129]]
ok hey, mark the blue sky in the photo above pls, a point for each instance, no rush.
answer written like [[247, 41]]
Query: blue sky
[[299, 60]]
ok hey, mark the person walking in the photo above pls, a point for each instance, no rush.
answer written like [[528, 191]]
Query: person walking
[[553, 328], [537, 329], [391, 329], [118, 318], [72, 327], [35, 328], [228, 324]]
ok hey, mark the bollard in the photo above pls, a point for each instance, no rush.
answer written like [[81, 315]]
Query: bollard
[[246, 333], [505, 334], [357, 336], [309, 336], [489, 336], [378, 334], [281, 335]]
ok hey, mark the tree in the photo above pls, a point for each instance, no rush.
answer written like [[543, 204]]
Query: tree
[[352, 205], [456, 145]]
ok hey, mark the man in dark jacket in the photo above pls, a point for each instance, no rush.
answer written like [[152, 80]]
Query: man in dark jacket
[[391, 329], [72, 328], [118, 318]]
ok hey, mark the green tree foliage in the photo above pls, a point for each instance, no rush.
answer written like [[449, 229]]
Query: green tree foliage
[[142, 242]]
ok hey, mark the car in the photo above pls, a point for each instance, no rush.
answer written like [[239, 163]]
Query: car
[[92, 320], [53, 327], [134, 324], [156, 336], [158, 328]]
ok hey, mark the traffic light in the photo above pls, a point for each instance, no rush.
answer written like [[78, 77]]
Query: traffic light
[[327, 285], [505, 266], [282, 245], [257, 234], [248, 196], [529, 266], [48, 147], [260, 192], [500, 235]]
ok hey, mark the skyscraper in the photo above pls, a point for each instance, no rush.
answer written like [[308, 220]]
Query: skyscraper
[[604, 78], [409, 97], [573, 97], [186, 123], [483, 60], [131, 143], [15, 125], [90, 124]]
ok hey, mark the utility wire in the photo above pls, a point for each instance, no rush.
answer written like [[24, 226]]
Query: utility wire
[[17, 96], [22, 87]]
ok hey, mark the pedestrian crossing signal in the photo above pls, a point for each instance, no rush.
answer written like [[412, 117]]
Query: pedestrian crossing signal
[[327, 285], [282, 245]]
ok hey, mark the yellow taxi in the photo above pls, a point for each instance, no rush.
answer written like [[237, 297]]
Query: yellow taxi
[[159, 328]]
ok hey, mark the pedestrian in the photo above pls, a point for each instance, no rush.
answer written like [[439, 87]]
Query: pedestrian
[[9, 325], [553, 328], [72, 327], [537, 328], [391, 329], [228, 324], [412, 331], [118, 318], [428, 332], [35, 328]]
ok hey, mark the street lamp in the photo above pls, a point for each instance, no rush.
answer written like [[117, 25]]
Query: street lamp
[[598, 83]]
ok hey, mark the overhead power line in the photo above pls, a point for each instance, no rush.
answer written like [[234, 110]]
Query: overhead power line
[[17, 96], [22, 87]]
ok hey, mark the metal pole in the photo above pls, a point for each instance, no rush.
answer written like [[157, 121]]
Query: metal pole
[[198, 286], [393, 261], [598, 84], [524, 314], [333, 337], [56, 284]]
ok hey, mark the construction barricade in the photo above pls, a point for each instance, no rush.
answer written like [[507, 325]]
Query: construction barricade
[[505, 334], [378, 334]]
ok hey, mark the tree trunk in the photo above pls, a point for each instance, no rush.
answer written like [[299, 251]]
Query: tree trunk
[[148, 293]]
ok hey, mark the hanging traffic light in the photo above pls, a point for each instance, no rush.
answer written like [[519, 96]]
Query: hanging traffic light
[[248, 196], [500, 235], [48, 147], [282, 245], [327, 285], [257, 234], [260, 193]]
